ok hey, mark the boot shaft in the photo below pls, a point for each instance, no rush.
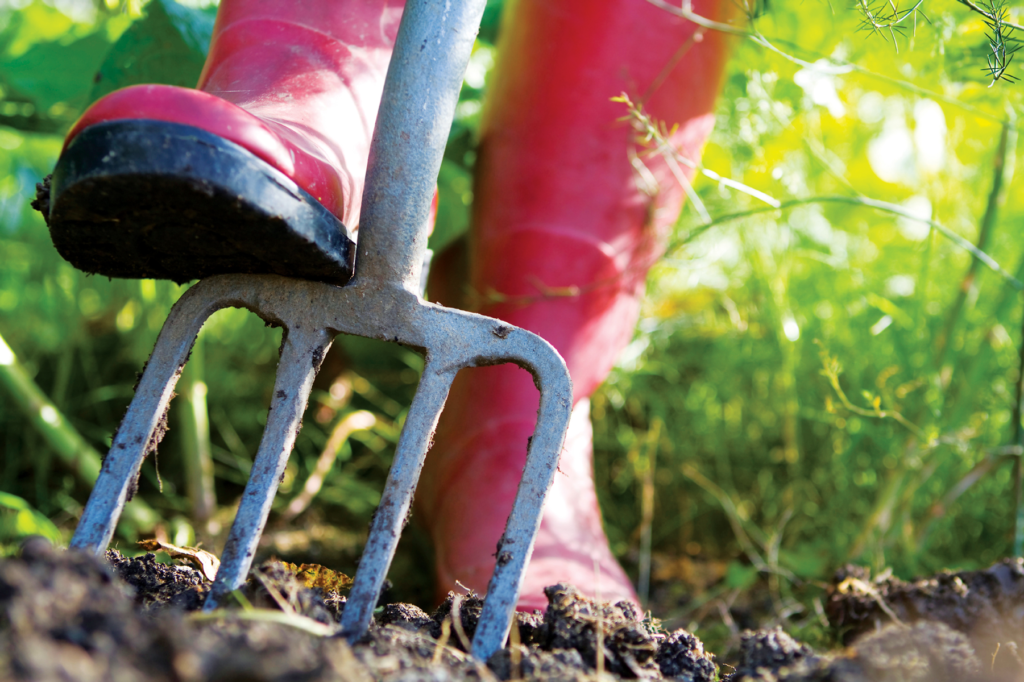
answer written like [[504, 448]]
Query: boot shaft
[[314, 73]]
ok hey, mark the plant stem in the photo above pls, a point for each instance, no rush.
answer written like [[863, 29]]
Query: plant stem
[[354, 421], [988, 221], [1018, 440], [196, 436], [834, 65], [46, 419], [988, 15], [883, 206], [293, 620], [686, 12], [991, 462], [647, 510], [731, 513]]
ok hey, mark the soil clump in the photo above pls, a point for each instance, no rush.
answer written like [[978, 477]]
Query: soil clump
[[987, 605], [925, 652]]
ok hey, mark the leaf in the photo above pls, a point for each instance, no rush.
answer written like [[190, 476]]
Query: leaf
[[32, 25], [167, 46], [54, 73], [490, 24], [314, 575], [455, 194], [807, 561], [740, 576], [207, 563], [25, 521]]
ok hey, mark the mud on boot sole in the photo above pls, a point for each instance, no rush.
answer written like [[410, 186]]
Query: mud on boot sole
[[151, 199]]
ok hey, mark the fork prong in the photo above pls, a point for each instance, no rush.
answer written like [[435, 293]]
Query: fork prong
[[516, 544], [393, 510], [301, 354], [148, 407]]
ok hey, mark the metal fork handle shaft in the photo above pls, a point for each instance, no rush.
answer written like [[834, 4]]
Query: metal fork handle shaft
[[434, 43]]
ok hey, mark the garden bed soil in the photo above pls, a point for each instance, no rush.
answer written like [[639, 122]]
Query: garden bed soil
[[71, 616]]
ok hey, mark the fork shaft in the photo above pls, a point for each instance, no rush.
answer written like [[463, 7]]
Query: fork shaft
[[393, 511], [433, 46], [301, 354]]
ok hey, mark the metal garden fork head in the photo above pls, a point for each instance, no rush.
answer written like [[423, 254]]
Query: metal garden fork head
[[381, 302]]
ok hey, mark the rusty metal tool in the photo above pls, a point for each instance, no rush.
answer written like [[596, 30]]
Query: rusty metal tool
[[382, 301]]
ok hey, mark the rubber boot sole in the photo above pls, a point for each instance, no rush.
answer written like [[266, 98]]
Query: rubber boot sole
[[151, 199]]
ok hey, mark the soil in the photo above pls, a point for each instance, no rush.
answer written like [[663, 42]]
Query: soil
[[71, 616], [987, 606]]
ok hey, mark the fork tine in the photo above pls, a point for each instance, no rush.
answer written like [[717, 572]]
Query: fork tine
[[302, 351], [396, 501], [516, 544], [132, 440]]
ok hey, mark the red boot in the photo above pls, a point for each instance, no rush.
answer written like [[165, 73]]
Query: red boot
[[563, 237], [256, 171]]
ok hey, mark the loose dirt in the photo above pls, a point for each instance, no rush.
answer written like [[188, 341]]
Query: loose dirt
[[70, 616]]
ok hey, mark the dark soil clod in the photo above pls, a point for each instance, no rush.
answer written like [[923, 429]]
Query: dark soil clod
[[770, 652], [985, 605], [612, 631], [69, 615], [682, 656], [66, 616], [406, 616], [925, 652], [160, 585], [533, 664], [273, 586], [470, 607]]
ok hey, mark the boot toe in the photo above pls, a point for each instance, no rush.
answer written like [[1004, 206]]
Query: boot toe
[[156, 199]]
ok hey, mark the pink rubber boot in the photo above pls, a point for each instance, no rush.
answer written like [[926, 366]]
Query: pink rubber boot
[[259, 169], [565, 227]]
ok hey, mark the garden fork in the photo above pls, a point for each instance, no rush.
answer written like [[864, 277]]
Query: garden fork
[[382, 301]]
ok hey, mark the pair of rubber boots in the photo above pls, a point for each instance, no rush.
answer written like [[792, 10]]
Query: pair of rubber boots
[[261, 169]]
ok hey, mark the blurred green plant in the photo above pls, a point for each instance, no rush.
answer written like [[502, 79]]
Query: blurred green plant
[[18, 520], [168, 45], [888, 252]]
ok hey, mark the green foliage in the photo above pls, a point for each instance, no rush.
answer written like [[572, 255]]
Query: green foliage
[[999, 34], [56, 73], [166, 46], [47, 65], [18, 520], [837, 384]]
